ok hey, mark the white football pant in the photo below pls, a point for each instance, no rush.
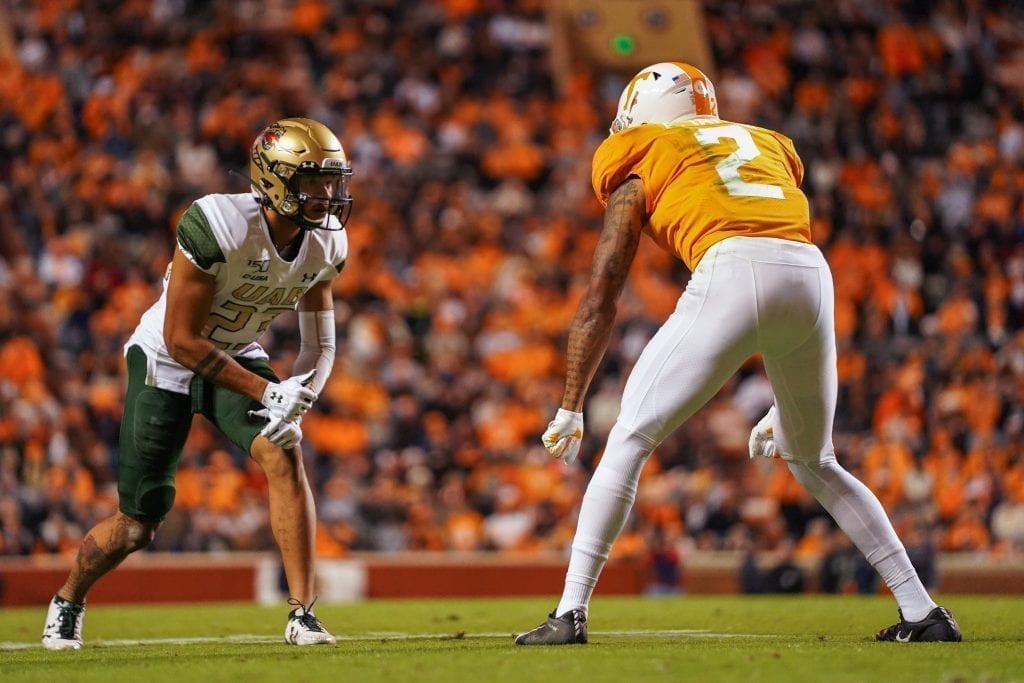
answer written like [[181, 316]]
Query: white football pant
[[748, 295]]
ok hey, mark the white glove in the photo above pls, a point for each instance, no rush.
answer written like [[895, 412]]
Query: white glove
[[290, 399], [286, 403], [564, 434], [279, 432], [762, 436]]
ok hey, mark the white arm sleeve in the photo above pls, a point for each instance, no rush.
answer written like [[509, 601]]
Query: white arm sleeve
[[316, 349]]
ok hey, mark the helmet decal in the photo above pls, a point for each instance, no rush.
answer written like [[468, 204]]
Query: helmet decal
[[271, 135]]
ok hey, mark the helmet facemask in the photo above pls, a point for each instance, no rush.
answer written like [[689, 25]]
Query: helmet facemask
[[313, 195]]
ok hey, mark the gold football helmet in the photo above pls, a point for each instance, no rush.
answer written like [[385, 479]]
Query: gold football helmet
[[293, 164]]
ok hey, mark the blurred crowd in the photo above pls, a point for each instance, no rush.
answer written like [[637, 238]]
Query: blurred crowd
[[471, 238]]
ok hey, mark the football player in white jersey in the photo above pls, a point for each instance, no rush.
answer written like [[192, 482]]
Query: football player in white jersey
[[240, 261]]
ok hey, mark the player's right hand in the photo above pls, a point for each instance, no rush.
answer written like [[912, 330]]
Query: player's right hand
[[564, 434], [290, 399], [278, 431]]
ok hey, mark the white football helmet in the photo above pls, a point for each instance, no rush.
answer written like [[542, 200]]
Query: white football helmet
[[663, 93]]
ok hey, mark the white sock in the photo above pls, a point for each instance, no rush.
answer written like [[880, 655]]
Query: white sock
[[901, 578], [574, 596], [859, 514], [606, 506]]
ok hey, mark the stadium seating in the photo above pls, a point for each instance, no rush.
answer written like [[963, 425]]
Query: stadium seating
[[472, 230]]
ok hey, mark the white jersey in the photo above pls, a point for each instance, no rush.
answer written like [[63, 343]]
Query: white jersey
[[226, 236]]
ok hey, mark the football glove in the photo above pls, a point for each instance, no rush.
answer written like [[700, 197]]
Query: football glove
[[279, 432], [564, 434], [762, 436], [290, 399], [284, 405]]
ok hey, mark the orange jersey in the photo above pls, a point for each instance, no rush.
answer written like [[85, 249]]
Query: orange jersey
[[706, 180]]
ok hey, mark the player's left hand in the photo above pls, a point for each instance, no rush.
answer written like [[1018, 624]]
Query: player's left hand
[[290, 399], [762, 436], [563, 435], [278, 431]]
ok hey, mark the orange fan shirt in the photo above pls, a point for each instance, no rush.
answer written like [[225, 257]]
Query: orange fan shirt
[[705, 180]]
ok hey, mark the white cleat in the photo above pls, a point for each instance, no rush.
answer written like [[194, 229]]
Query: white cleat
[[63, 628], [762, 438], [304, 628]]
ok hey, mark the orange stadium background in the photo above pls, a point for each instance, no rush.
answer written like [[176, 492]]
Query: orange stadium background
[[471, 126]]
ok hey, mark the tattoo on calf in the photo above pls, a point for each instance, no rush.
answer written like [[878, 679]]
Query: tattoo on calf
[[211, 364], [120, 537], [91, 563], [91, 557]]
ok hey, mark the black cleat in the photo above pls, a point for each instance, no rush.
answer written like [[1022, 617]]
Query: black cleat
[[938, 626], [568, 629]]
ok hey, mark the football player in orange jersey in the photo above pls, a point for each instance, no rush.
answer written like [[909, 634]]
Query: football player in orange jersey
[[725, 198]]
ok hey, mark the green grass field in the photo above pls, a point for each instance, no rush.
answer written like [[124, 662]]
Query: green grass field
[[705, 638]]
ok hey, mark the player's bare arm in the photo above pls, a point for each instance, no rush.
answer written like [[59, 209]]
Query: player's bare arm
[[189, 300], [592, 326], [317, 298]]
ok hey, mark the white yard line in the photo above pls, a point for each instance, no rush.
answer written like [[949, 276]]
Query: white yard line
[[247, 638]]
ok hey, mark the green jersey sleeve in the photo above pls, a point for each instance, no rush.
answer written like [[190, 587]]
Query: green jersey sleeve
[[197, 240]]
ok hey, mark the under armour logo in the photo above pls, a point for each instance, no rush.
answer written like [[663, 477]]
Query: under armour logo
[[308, 277], [276, 397]]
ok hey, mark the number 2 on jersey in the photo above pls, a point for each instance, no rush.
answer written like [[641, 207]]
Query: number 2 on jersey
[[729, 167]]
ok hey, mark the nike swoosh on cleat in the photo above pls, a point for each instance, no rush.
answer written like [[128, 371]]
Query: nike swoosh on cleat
[[900, 638]]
